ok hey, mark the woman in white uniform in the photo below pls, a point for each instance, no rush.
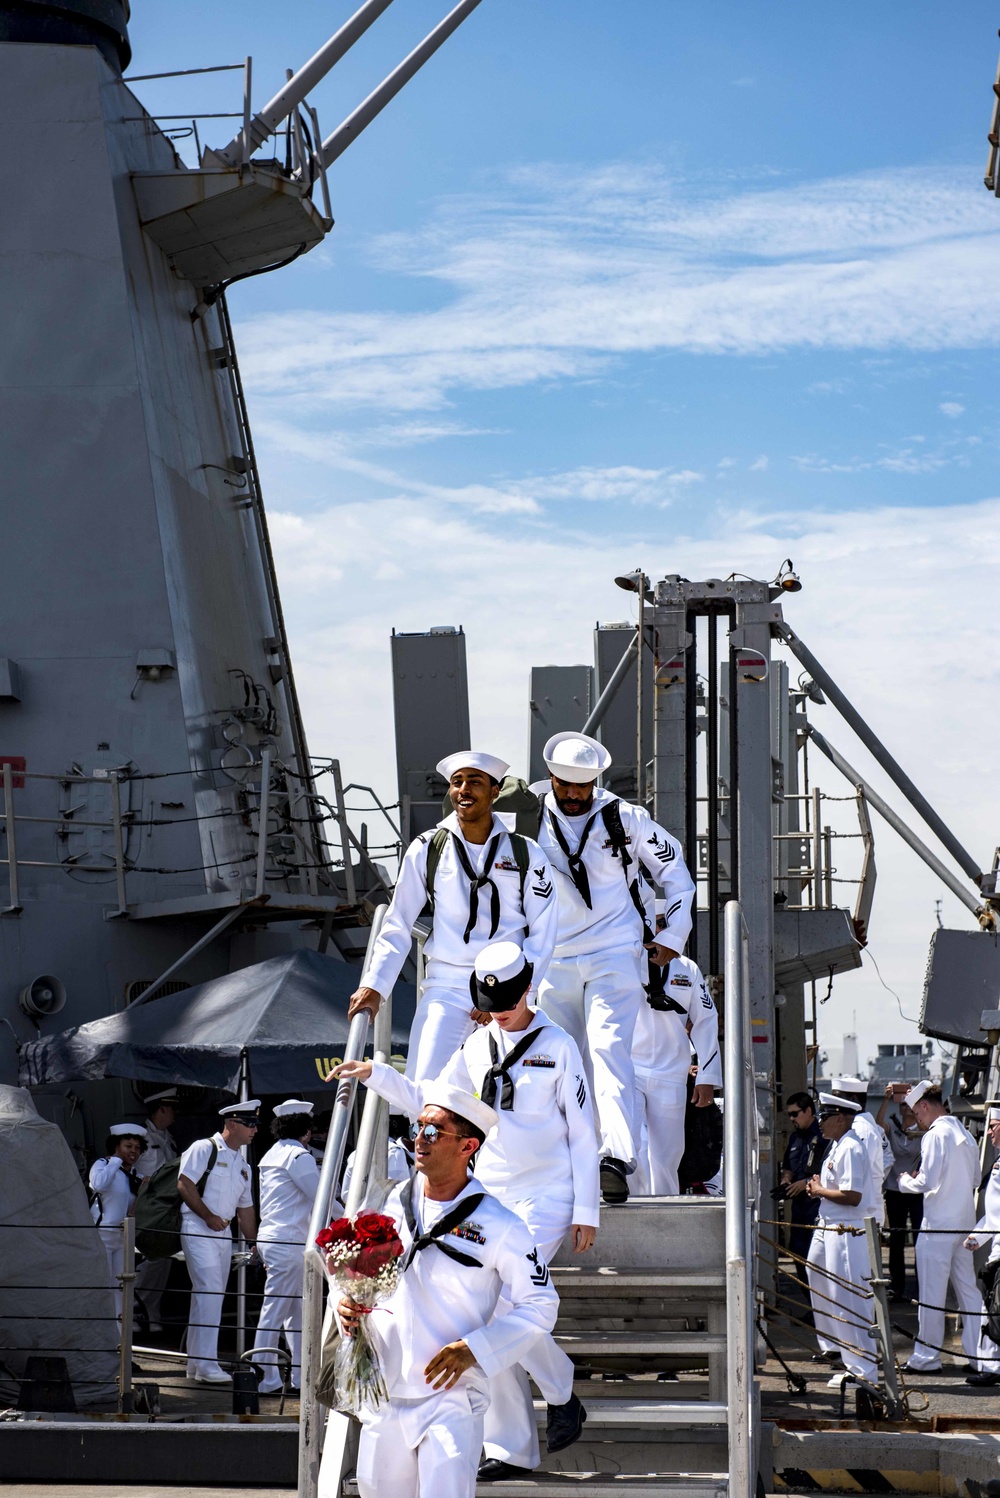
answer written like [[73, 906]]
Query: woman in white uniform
[[115, 1184], [988, 1227], [289, 1178]]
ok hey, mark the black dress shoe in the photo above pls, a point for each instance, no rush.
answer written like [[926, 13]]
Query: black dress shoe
[[564, 1424], [983, 1380], [494, 1470], [614, 1181], [826, 1357]]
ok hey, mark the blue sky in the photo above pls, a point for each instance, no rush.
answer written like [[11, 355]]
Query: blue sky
[[661, 283]]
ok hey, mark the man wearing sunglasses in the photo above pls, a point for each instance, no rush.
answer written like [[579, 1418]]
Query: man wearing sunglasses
[[218, 1167], [444, 1334]]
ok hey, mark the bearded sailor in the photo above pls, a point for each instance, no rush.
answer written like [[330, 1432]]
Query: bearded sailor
[[598, 846], [838, 1259], [540, 1161], [482, 884], [661, 1053], [439, 1337], [948, 1178]]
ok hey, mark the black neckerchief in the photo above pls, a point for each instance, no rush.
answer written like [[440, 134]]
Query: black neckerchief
[[452, 1219], [577, 871], [500, 1070], [477, 882]]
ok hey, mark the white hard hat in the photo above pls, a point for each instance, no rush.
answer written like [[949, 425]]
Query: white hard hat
[[575, 757], [473, 759]]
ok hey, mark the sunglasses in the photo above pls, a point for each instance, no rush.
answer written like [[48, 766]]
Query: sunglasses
[[432, 1133], [795, 1112]]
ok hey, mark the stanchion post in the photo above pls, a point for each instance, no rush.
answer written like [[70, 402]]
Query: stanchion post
[[894, 1407], [127, 1278]]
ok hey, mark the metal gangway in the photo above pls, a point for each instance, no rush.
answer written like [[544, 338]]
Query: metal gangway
[[670, 1283]]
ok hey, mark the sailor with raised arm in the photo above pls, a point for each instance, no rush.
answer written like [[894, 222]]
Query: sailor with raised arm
[[540, 1161], [482, 884], [598, 845], [443, 1335], [661, 1054]]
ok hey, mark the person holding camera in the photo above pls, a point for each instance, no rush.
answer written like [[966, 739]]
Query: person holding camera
[[804, 1155], [114, 1186]]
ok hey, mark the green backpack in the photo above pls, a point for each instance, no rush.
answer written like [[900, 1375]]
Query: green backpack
[[158, 1209]]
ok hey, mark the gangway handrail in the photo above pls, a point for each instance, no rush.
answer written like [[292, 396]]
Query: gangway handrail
[[740, 1179], [311, 1416]]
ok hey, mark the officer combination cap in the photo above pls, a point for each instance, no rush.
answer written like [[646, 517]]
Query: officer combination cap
[[916, 1092], [993, 1113], [128, 1130], [575, 757], [828, 1104], [242, 1112], [500, 977], [171, 1095], [441, 1095], [291, 1106], [856, 1085], [473, 759]]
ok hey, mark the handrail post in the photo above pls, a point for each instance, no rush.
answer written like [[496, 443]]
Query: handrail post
[[8, 811], [737, 1155], [127, 1278], [311, 1416], [345, 835]]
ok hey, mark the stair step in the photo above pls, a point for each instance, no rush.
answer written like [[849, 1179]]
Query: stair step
[[599, 1485], [655, 1412], [639, 1344], [619, 1283]]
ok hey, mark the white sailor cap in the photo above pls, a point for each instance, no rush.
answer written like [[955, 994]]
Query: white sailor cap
[[856, 1085], [828, 1103], [171, 1095], [500, 977], [130, 1130], [292, 1105], [916, 1092], [241, 1111], [473, 759], [439, 1094], [575, 757]]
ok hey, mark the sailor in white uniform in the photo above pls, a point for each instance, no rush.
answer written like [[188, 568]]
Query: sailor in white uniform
[[206, 1237], [439, 1338], [844, 1190], [484, 884], [661, 1054], [986, 1228], [152, 1275], [540, 1161], [115, 1183], [874, 1138], [289, 1180], [598, 844], [949, 1178]]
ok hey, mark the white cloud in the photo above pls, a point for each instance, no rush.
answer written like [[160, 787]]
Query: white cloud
[[951, 408], [552, 274], [761, 464]]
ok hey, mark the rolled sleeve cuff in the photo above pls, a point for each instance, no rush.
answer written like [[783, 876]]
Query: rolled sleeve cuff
[[478, 1343], [586, 1216]]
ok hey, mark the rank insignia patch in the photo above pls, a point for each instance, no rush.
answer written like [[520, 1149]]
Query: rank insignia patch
[[540, 1273]]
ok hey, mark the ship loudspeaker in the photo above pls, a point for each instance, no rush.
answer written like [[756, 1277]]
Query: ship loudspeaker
[[43, 996]]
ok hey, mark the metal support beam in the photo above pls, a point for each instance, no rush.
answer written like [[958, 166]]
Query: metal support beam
[[14, 904], [263, 813], [875, 746], [896, 823], [618, 675], [347, 132], [199, 946]]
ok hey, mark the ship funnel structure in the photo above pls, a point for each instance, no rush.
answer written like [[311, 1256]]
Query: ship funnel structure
[[83, 23]]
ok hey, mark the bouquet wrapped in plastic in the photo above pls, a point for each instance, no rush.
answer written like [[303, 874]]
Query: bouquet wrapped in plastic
[[362, 1261]]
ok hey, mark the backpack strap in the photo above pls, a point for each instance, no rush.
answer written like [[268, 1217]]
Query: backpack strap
[[435, 847], [200, 1188], [612, 818], [522, 858]]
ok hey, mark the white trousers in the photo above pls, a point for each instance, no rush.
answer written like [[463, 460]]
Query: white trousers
[[847, 1257], [661, 1102], [440, 1026], [510, 1433], [281, 1310], [596, 1000], [940, 1258], [423, 1448], [208, 1257], [114, 1247]]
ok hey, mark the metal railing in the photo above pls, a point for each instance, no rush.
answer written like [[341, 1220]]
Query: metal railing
[[311, 1415], [740, 1177]]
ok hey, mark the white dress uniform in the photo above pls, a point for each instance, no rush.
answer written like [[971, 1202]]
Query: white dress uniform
[[422, 1444], [593, 986], [987, 1227], [289, 1180], [846, 1168], [541, 1162], [209, 1255], [874, 1139], [949, 1178], [442, 1020], [661, 1054], [109, 1180]]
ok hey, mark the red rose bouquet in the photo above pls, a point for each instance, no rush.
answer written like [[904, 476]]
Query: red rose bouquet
[[362, 1261]]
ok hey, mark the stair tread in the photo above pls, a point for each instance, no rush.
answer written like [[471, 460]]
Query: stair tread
[[601, 1485], [610, 1281], [640, 1343], [647, 1412]]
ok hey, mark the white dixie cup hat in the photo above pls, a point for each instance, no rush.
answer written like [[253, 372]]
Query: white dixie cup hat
[[473, 759], [575, 757]]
